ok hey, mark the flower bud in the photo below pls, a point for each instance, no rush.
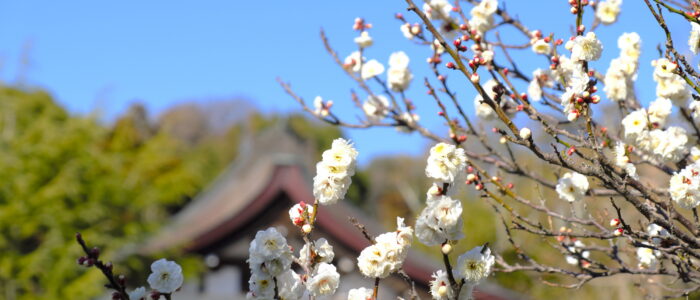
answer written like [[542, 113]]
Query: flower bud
[[475, 78], [306, 228], [503, 140], [614, 222], [446, 249], [471, 177], [618, 232], [525, 133]]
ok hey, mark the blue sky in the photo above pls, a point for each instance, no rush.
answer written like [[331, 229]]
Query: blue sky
[[104, 55]]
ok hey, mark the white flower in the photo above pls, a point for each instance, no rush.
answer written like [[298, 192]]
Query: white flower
[[323, 252], [667, 145], [586, 48], [354, 62], [410, 119], [437, 9], [324, 281], [684, 187], [371, 68], [341, 154], [296, 213], [576, 249], [487, 7], [659, 110], [440, 287], [623, 161], [388, 252], [261, 285], [364, 40], [525, 133], [483, 110], [541, 47], [398, 60], [657, 233], [572, 186], [635, 123], [360, 294], [333, 172], [647, 257], [440, 221], [398, 79], [695, 154], [321, 109], [138, 294], [410, 31], [630, 44], [694, 40], [474, 265], [376, 107], [437, 47], [166, 276], [290, 286], [269, 253], [446, 162], [540, 78], [607, 11]]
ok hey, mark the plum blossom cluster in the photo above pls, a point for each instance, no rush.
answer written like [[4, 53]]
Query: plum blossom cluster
[[333, 172], [603, 158], [644, 129], [386, 255], [620, 76]]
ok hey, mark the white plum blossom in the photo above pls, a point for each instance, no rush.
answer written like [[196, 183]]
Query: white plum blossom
[[138, 294], [322, 252], [694, 39], [440, 221], [166, 276], [607, 11], [410, 119], [322, 109], [483, 110], [290, 286], [647, 257], [399, 76], [669, 84], [371, 68], [269, 253], [684, 187], [261, 286], [360, 294], [410, 31], [622, 160], [324, 281], [658, 112], [665, 145], [376, 107], [540, 46], [540, 78], [620, 77], [586, 48], [577, 250], [657, 233], [446, 162], [440, 287], [572, 186], [333, 172], [474, 265], [437, 9], [482, 16], [387, 254], [635, 123], [364, 40], [354, 62]]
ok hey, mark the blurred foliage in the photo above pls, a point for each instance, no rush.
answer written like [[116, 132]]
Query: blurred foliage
[[116, 184]]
